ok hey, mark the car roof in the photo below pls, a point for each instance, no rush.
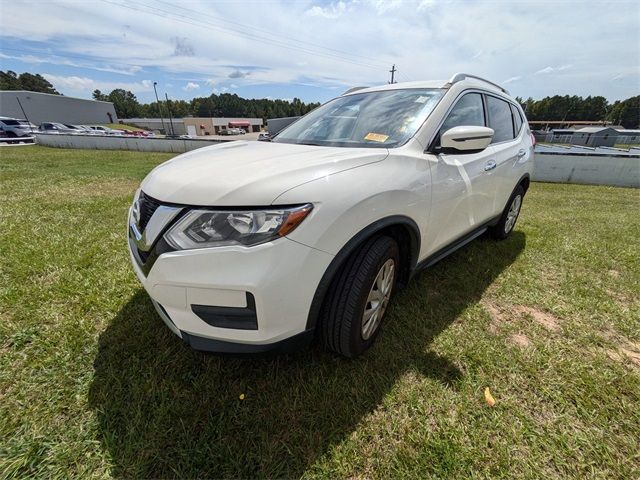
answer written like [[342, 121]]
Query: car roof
[[459, 79], [398, 86]]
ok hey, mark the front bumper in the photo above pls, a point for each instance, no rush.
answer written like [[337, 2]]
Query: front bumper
[[236, 299]]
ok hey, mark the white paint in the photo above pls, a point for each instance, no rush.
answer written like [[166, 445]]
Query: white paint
[[620, 171]]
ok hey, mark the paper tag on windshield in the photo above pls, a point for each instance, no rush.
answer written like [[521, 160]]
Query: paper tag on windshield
[[376, 137]]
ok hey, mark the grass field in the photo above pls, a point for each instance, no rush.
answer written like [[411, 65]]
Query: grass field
[[92, 384]]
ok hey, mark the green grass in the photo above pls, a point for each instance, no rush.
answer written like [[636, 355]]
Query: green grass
[[93, 385]]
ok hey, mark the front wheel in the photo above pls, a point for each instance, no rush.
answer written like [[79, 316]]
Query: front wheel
[[509, 215], [358, 298]]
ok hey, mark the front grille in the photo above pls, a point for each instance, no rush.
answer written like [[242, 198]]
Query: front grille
[[148, 205]]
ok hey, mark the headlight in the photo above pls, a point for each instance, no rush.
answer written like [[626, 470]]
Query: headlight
[[216, 228]]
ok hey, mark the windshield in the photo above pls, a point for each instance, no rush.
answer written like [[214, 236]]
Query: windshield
[[375, 119], [11, 122]]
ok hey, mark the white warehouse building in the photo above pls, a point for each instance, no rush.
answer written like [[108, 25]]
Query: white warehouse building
[[45, 107]]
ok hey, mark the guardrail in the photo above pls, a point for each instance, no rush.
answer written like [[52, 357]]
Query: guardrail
[[112, 142]]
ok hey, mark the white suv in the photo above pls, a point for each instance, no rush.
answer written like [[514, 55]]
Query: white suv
[[254, 246]]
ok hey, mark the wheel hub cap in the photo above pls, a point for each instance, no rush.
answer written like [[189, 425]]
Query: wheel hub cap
[[512, 214], [378, 299]]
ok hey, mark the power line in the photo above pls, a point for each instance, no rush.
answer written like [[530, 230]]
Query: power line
[[226, 21], [206, 25]]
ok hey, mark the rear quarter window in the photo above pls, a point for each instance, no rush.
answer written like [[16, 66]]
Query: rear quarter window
[[517, 119], [500, 119]]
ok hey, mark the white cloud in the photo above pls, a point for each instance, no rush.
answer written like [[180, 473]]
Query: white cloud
[[191, 86], [561, 68], [384, 6], [545, 70], [84, 84], [511, 80], [331, 11], [238, 74], [337, 44], [55, 60], [426, 4]]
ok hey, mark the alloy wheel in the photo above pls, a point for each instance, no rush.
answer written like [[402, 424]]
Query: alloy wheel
[[378, 299]]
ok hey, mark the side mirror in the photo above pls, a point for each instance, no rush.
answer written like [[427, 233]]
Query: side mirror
[[466, 139]]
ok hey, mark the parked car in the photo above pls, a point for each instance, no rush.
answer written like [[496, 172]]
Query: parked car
[[100, 129], [57, 128], [79, 129], [14, 127], [256, 246], [230, 131], [264, 136]]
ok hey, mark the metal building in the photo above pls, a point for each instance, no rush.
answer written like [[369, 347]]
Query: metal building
[[45, 107], [595, 137], [215, 125]]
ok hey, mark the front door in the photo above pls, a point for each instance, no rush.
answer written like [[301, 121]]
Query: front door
[[463, 184]]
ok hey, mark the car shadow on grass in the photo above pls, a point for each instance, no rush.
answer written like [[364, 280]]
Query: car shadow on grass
[[165, 410]]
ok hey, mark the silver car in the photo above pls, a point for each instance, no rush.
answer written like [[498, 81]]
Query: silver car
[[14, 127]]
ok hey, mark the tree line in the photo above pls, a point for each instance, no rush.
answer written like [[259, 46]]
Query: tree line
[[558, 107], [572, 107], [25, 81], [223, 105]]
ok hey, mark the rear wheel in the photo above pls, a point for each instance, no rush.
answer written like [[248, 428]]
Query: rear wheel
[[509, 215], [358, 298]]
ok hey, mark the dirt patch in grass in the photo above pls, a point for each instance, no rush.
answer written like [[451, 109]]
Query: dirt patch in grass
[[614, 273], [520, 340], [545, 319], [625, 351], [496, 317]]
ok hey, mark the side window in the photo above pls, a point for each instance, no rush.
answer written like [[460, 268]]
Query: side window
[[517, 119], [468, 111], [500, 119]]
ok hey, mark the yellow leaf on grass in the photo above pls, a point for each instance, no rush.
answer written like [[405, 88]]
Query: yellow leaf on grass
[[488, 397], [242, 396]]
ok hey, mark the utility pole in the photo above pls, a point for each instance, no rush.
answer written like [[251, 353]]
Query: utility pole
[[159, 107], [173, 132], [25, 115], [393, 72]]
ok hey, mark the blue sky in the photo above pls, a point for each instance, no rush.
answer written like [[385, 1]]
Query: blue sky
[[316, 49]]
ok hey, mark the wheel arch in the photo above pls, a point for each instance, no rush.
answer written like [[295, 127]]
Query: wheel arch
[[401, 228], [525, 181]]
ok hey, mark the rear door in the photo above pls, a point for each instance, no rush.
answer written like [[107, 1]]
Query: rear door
[[463, 190], [507, 146]]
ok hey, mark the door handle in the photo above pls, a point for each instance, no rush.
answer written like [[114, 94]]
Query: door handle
[[521, 153], [490, 165]]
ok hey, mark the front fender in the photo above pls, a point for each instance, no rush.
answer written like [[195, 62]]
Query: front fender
[[349, 201]]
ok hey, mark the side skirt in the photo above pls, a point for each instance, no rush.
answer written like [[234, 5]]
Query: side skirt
[[452, 247]]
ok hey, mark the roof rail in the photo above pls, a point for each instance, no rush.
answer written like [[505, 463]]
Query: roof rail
[[458, 77], [353, 89]]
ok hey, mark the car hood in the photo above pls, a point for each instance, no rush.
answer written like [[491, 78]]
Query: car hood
[[249, 173]]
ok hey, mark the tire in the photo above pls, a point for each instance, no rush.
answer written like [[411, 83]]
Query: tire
[[12, 135], [509, 216], [343, 328]]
